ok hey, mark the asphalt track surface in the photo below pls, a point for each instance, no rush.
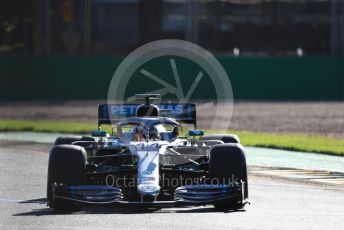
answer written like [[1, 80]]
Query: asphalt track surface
[[276, 204]]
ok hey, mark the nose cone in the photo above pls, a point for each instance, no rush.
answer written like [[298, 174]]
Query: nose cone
[[148, 169]]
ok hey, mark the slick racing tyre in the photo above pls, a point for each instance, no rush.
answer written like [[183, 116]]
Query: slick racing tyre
[[70, 140], [228, 163], [226, 138], [66, 166]]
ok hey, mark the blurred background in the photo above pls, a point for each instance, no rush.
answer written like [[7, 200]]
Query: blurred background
[[272, 49], [285, 51]]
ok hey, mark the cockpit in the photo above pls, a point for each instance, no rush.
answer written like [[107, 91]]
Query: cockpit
[[147, 128]]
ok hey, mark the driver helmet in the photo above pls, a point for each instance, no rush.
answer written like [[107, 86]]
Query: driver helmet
[[153, 133]]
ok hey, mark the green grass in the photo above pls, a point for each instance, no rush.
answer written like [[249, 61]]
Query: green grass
[[292, 141], [46, 126], [289, 141]]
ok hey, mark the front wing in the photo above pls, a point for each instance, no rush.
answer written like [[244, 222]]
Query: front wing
[[184, 195]]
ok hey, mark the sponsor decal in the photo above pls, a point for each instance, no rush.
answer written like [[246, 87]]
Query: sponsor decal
[[123, 110], [147, 179], [148, 188], [146, 173]]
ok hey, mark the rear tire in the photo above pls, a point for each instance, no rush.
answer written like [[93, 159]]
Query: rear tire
[[66, 166], [228, 162], [71, 139], [226, 138]]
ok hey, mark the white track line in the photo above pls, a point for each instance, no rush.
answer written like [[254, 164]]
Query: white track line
[[10, 200]]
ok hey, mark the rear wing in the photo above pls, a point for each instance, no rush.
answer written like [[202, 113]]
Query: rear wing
[[108, 113]]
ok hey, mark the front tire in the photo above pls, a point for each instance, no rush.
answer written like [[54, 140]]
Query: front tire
[[228, 162], [66, 166]]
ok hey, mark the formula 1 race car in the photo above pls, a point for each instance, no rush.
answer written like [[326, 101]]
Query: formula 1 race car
[[146, 162]]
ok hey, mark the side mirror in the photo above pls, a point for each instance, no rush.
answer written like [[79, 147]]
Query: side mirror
[[100, 133], [195, 133]]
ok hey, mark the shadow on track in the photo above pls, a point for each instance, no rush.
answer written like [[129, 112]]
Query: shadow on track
[[34, 201]]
